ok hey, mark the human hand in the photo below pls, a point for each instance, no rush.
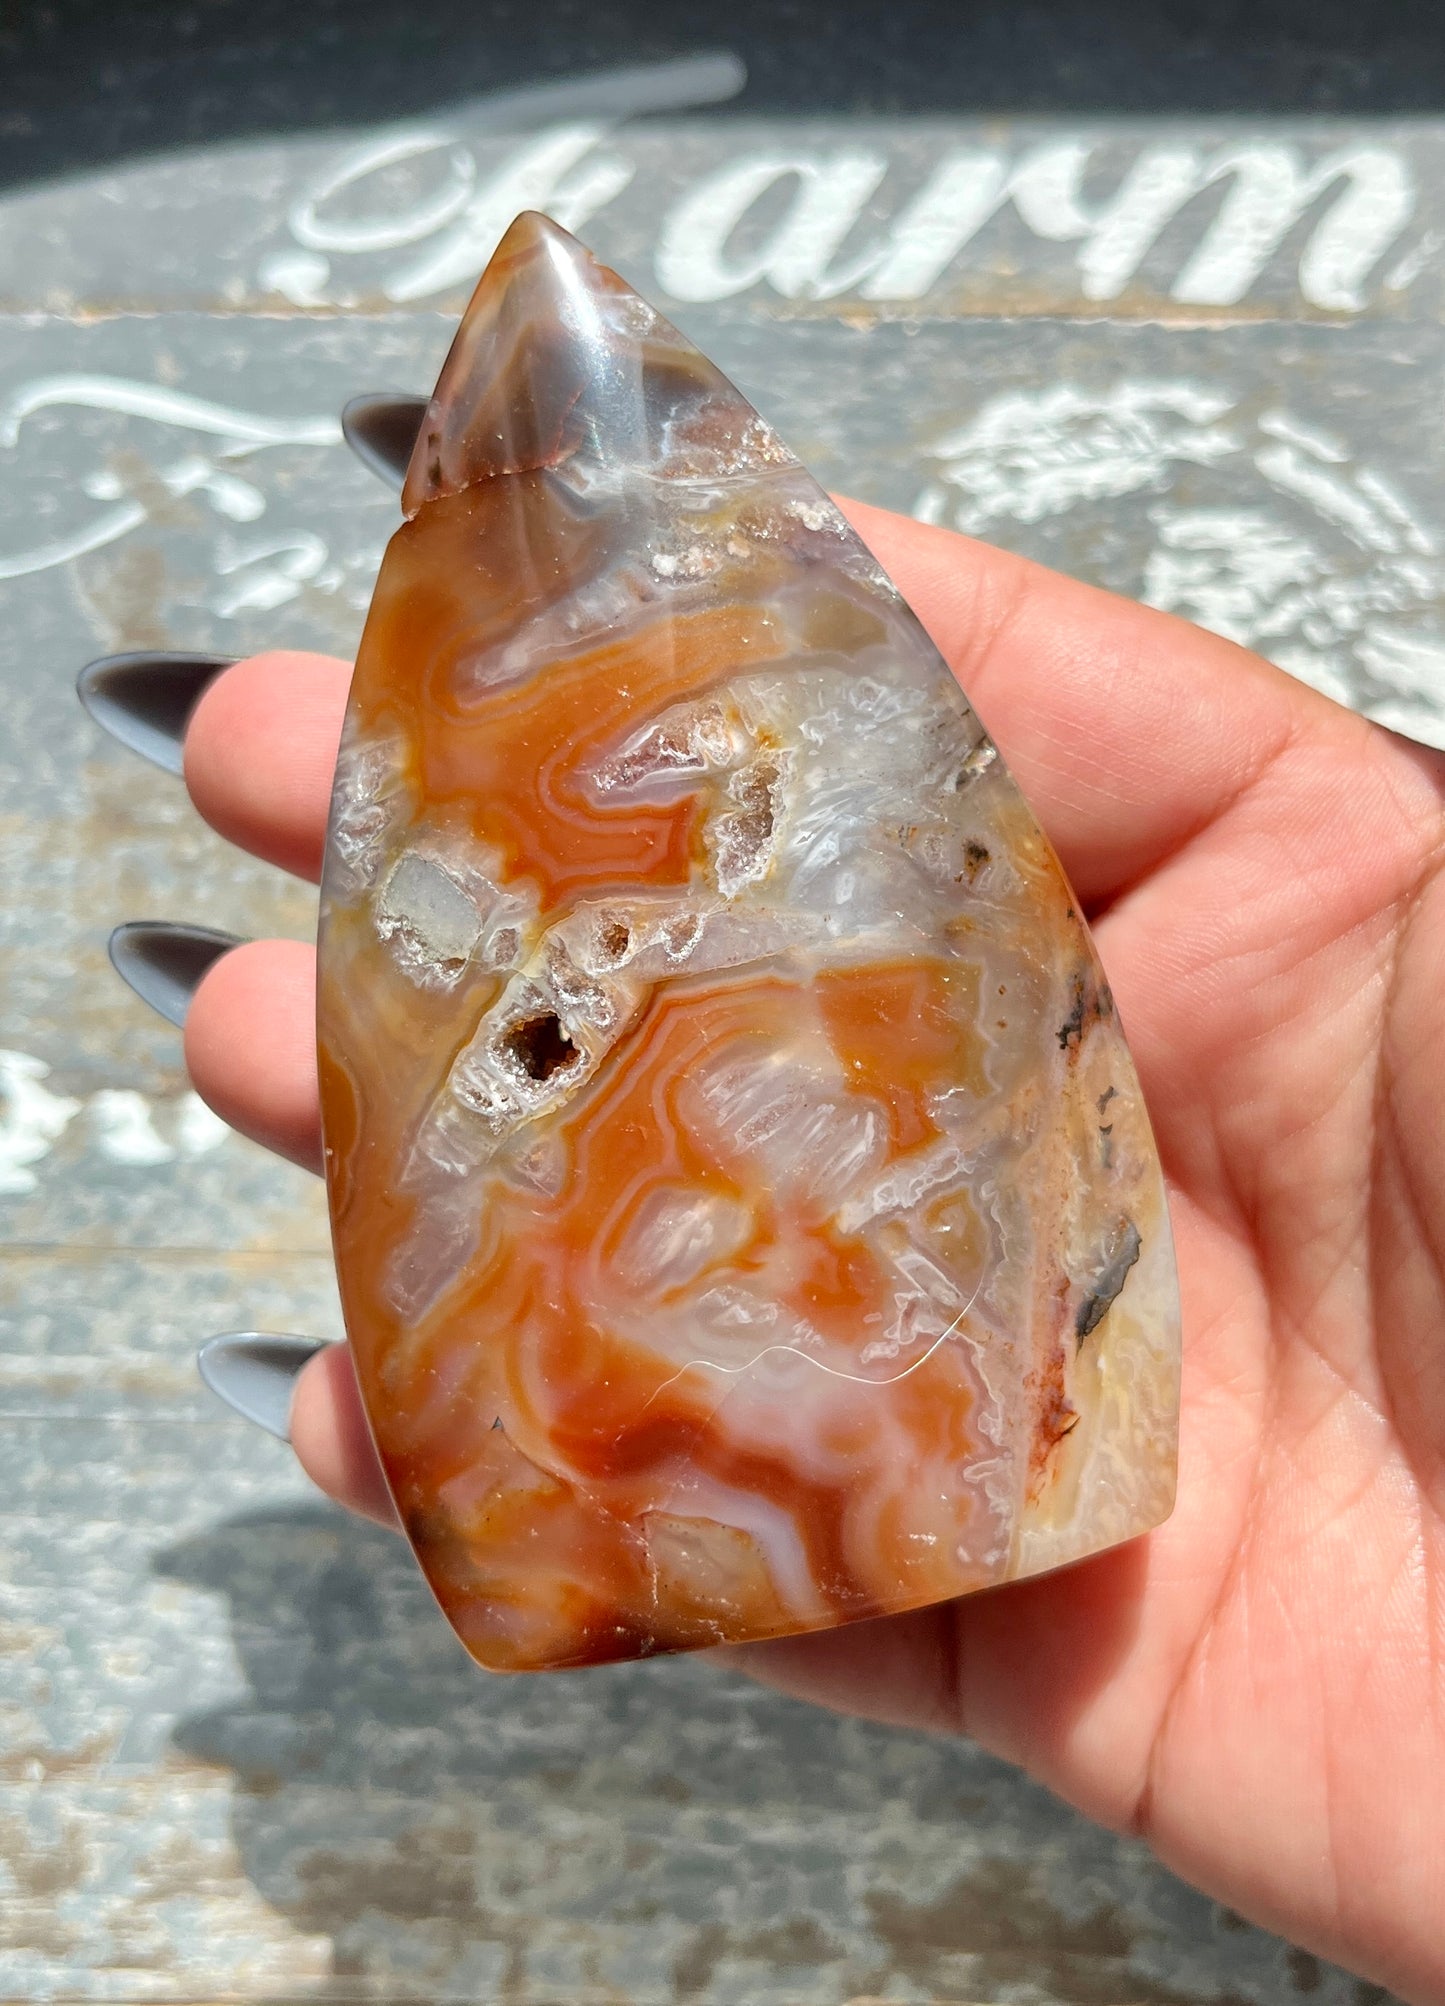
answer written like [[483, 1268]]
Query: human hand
[[1258, 1688]]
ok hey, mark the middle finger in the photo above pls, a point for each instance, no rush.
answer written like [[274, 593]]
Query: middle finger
[[260, 752], [251, 1045]]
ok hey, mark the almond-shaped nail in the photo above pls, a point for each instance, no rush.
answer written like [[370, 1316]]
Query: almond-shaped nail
[[381, 429], [146, 700], [255, 1372], [163, 961]]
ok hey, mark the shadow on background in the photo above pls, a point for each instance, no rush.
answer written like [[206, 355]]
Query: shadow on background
[[90, 81], [659, 1826]]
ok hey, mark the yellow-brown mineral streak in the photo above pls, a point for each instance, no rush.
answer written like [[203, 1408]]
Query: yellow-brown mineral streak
[[746, 1215]]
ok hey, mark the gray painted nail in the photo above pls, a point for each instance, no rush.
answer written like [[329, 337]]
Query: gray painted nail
[[381, 429], [255, 1371], [146, 700], [164, 962]]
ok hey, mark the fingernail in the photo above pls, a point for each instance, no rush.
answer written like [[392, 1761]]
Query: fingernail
[[255, 1371], [381, 430], [164, 963], [146, 700]]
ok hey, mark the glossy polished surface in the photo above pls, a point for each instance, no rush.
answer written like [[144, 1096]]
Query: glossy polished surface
[[746, 1215]]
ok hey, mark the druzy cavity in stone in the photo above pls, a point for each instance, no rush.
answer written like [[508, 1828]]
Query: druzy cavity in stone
[[746, 1215]]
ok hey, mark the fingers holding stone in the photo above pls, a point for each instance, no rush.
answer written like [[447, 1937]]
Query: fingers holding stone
[[260, 752], [251, 1046]]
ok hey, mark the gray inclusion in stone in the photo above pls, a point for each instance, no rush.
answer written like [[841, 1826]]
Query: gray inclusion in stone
[[434, 921]]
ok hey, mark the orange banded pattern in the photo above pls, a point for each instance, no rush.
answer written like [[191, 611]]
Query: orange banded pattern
[[746, 1216]]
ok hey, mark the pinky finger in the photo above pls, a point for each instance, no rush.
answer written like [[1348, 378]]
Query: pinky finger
[[332, 1439]]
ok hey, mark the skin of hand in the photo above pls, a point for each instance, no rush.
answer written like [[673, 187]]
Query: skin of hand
[[1258, 1688]]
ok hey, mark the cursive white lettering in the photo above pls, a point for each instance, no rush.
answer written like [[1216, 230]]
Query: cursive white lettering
[[538, 176], [794, 256]]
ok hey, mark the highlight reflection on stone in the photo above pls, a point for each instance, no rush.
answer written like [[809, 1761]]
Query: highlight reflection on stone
[[746, 1214]]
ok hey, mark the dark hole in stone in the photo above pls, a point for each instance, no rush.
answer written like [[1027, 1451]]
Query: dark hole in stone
[[616, 939], [540, 1046]]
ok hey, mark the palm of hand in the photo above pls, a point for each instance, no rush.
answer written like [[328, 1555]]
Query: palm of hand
[[1256, 1687]]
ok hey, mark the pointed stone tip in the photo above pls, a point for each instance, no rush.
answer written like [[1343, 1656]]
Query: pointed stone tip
[[530, 235], [513, 370], [532, 228], [546, 367]]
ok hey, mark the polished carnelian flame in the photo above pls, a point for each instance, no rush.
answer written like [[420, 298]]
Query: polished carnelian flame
[[728, 1182]]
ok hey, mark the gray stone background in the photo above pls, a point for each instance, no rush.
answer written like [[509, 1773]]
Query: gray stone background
[[1194, 355]]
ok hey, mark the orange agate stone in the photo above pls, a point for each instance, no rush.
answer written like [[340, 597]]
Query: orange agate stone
[[746, 1215]]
